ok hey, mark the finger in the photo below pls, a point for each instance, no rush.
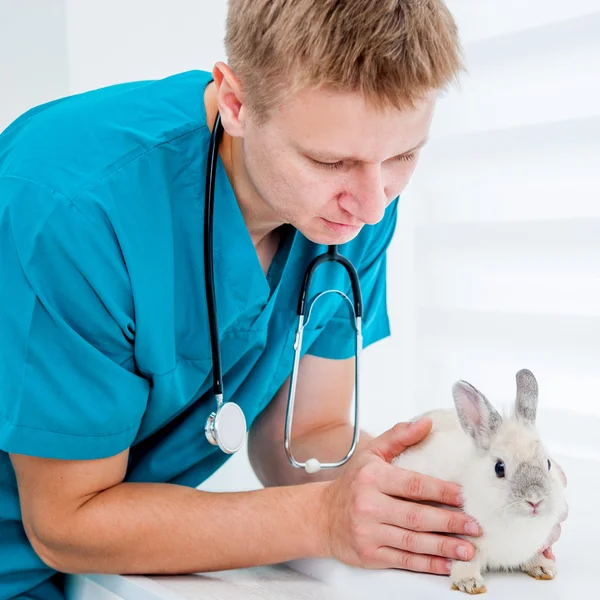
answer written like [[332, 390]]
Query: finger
[[549, 554], [555, 535], [400, 559], [417, 486], [561, 472], [394, 441], [564, 515], [422, 517], [427, 543]]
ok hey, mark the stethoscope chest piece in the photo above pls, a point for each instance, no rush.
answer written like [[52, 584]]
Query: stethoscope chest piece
[[226, 427]]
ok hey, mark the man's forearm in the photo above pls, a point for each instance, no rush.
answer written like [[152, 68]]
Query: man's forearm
[[326, 445], [142, 528]]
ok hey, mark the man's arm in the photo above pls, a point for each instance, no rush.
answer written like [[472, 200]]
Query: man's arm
[[321, 426], [80, 517]]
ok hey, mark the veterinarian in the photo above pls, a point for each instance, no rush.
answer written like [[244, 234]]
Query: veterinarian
[[126, 309]]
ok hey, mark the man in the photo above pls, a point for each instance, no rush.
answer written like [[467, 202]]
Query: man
[[105, 363]]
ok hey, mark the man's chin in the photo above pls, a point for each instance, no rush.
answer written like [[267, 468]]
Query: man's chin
[[329, 239]]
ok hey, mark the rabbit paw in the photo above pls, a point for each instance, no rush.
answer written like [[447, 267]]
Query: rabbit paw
[[470, 585], [541, 568], [466, 577]]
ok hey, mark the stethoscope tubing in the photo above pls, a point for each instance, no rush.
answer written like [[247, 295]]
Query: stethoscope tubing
[[332, 254]]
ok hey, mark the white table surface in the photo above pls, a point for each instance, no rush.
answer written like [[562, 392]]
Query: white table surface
[[269, 582], [576, 554]]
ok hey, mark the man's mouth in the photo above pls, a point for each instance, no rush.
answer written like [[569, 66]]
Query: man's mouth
[[340, 227]]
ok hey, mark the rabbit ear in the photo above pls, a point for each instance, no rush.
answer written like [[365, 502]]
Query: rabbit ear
[[477, 416], [527, 396]]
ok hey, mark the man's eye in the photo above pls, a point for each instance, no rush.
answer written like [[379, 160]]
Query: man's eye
[[325, 165]]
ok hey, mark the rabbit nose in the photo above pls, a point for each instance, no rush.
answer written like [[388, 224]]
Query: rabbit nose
[[534, 505]]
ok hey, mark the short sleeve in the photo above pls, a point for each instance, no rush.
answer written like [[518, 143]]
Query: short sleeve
[[68, 385], [337, 339]]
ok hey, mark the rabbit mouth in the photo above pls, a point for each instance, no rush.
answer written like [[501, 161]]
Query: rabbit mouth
[[530, 508]]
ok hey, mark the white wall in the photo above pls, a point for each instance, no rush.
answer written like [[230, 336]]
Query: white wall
[[115, 41], [507, 229], [33, 55], [493, 264]]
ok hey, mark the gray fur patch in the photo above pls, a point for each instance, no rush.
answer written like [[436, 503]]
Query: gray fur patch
[[527, 396], [529, 481], [494, 419]]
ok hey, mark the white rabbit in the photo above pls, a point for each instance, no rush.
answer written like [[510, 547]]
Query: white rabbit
[[510, 485]]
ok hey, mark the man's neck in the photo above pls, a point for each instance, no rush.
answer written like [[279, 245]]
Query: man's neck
[[262, 229]]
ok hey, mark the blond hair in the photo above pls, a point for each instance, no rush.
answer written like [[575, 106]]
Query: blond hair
[[391, 51]]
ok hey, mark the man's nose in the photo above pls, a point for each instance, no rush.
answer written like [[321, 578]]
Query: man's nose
[[370, 197]]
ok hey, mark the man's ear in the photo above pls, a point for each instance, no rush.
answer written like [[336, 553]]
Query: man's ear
[[230, 100]]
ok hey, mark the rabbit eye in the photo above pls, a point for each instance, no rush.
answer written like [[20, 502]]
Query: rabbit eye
[[499, 468], [549, 464]]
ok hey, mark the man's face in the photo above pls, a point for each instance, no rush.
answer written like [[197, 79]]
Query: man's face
[[328, 163]]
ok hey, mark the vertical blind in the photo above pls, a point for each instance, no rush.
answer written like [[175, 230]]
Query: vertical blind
[[505, 269]]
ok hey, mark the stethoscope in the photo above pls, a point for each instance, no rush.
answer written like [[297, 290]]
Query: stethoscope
[[226, 427]]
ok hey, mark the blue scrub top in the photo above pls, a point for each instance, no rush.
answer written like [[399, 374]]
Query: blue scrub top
[[104, 334]]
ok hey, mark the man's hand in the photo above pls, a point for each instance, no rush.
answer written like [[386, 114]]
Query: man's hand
[[373, 517]]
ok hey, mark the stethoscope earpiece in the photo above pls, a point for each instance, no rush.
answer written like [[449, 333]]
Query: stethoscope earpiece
[[312, 465]]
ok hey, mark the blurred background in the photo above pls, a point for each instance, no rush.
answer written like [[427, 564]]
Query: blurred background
[[495, 265]]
